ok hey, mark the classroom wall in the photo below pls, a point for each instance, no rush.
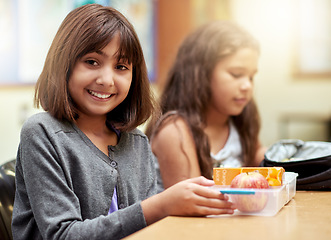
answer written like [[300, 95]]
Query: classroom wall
[[16, 104], [277, 92]]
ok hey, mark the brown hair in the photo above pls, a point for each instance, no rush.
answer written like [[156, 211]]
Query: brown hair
[[188, 92], [87, 29]]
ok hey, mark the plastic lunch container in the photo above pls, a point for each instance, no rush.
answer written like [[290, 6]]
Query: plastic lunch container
[[277, 197]]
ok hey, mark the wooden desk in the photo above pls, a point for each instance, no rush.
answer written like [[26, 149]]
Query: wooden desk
[[306, 216]]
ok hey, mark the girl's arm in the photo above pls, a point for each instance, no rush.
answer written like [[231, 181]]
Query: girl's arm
[[175, 150], [191, 197]]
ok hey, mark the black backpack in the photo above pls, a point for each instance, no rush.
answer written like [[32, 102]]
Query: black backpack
[[311, 160]]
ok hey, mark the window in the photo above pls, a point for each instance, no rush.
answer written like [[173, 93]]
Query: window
[[313, 58]]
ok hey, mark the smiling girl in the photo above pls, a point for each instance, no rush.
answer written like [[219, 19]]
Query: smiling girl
[[83, 169], [209, 117]]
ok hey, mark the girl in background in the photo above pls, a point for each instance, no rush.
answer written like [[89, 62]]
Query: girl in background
[[209, 117], [83, 169]]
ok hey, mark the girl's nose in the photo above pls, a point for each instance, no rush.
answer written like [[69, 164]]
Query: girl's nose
[[106, 77], [246, 83]]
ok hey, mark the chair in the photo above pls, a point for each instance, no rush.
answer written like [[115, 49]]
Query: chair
[[7, 194]]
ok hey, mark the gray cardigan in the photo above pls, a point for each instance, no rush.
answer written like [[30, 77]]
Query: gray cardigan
[[64, 183]]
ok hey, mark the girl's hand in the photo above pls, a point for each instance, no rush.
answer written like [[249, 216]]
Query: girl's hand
[[190, 197]]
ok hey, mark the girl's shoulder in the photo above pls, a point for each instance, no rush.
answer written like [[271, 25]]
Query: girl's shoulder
[[39, 117], [134, 135], [172, 127], [46, 122], [132, 140], [137, 132], [171, 120]]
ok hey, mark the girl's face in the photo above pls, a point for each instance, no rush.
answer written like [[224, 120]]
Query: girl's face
[[99, 82], [232, 82]]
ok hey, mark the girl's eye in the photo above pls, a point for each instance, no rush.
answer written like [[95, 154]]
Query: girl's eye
[[236, 75], [239, 76], [121, 67], [91, 62]]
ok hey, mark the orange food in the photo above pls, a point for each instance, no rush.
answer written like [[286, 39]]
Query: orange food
[[274, 173], [224, 176], [274, 182], [264, 171]]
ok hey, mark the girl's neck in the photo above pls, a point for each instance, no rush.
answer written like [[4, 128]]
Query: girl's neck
[[98, 132], [92, 124], [216, 120], [217, 129]]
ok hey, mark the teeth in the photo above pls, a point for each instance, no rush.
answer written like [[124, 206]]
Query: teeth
[[99, 95]]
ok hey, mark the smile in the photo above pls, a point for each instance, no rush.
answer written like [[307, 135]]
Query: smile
[[99, 95]]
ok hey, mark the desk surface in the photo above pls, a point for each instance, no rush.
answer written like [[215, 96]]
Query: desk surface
[[306, 216]]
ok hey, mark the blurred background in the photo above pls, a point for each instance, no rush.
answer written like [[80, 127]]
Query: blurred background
[[292, 87]]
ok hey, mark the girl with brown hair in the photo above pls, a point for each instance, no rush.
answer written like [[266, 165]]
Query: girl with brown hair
[[83, 169], [209, 117]]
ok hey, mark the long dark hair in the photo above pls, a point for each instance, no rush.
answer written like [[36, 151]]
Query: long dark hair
[[87, 29], [188, 93]]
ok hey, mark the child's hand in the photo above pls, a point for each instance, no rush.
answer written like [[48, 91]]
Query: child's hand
[[191, 197]]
